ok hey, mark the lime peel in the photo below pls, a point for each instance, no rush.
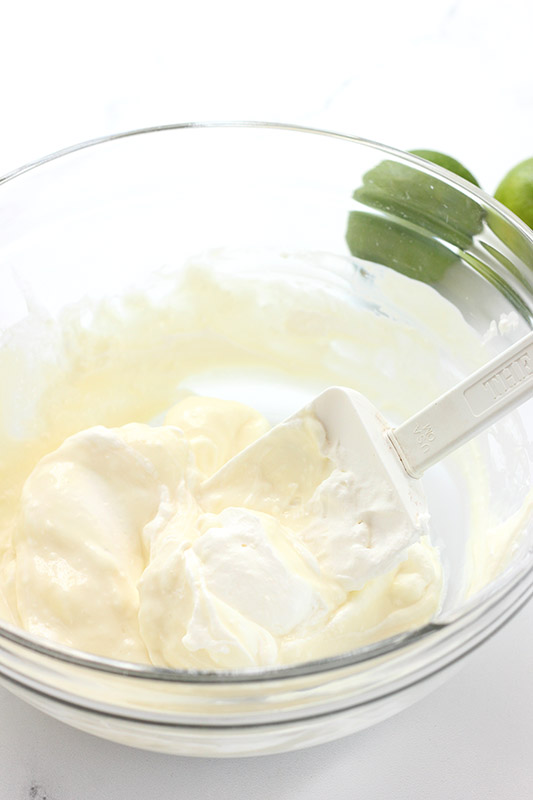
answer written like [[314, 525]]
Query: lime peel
[[516, 191]]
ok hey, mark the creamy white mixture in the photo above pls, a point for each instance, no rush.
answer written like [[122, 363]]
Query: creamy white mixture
[[128, 543], [134, 541]]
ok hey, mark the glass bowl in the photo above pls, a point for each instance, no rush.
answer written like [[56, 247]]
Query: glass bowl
[[97, 218]]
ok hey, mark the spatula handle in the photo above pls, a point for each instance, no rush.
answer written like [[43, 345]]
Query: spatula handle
[[472, 405]]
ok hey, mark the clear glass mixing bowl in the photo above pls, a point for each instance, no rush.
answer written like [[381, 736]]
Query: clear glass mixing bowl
[[91, 220]]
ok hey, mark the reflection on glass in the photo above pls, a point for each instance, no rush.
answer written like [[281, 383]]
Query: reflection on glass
[[376, 238], [424, 200]]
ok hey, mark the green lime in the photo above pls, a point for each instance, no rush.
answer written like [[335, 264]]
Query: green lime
[[516, 191], [442, 160]]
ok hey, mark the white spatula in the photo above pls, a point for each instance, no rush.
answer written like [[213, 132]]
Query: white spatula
[[375, 508]]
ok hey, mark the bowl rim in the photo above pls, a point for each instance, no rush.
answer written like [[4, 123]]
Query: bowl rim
[[491, 596], [427, 166]]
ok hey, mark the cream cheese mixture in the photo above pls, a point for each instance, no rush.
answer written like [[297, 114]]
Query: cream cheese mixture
[[125, 549], [122, 531]]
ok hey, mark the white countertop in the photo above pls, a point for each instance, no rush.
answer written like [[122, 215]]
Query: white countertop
[[452, 75]]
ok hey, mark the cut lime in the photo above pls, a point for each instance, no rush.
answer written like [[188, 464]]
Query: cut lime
[[516, 191], [417, 221], [447, 162]]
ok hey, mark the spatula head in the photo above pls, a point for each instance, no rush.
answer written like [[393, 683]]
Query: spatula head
[[330, 475]]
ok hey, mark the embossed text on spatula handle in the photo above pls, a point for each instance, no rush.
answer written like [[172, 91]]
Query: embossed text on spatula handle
[[468, 408]]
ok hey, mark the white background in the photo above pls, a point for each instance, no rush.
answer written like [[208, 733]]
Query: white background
[[452, 75]]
